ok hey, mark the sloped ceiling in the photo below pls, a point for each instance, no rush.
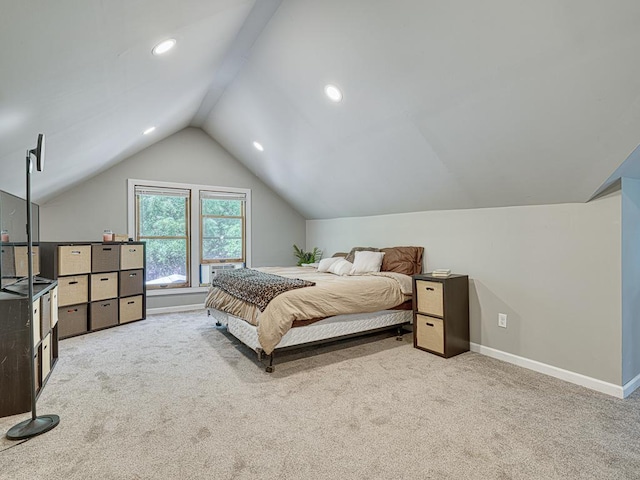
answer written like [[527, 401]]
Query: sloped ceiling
[[447, 104], [81, 71]]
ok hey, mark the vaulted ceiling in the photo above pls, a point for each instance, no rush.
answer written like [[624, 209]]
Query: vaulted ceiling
[[447, 104]]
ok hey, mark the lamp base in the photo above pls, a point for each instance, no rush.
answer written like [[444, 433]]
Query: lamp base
[[33, 426]]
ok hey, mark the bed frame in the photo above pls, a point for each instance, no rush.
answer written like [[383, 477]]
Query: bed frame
[[329, 329]]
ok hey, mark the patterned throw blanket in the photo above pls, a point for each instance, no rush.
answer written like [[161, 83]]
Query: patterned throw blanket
[[257, 288]]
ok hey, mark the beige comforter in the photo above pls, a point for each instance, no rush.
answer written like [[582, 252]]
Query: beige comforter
[[332, 295]]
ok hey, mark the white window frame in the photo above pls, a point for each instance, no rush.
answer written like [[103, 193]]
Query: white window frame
[[194, 229]]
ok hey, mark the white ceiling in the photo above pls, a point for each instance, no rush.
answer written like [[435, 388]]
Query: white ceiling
[[447, 104]]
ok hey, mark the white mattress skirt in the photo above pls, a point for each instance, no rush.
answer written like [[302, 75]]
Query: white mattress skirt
[[331, 327]]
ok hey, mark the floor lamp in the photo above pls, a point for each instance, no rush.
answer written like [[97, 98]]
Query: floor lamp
[[43, 423]]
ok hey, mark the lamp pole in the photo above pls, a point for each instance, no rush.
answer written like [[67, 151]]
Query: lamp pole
[[37, 424]]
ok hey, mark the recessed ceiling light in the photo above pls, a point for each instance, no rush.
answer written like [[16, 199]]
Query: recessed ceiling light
[[148, 130], [333, 92], [258, 146], [164, 46]]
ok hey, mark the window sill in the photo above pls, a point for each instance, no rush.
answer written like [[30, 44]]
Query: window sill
[[176, 291]]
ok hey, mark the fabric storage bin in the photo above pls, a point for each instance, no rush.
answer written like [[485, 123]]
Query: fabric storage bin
[[73, 290], [131, 256], [45, 313], [46, 356], [104, 314], [74, 259], [430, 299], [36, 322], [131, 282], [72, 320], [105, 258], [36, 370], [21, 261], [54, 306], [104, 285], [8, 261], [130, 309]]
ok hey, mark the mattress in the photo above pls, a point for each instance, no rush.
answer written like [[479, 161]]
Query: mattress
[[332, 327]]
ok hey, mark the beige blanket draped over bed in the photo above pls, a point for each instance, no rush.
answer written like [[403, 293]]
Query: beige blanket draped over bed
[[332, 295]]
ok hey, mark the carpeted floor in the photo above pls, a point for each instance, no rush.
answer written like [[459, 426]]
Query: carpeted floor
[[172, 397]]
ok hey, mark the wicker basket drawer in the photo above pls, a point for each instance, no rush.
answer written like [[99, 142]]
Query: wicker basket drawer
[[429, 296], [104, 314], [130, 309], [54, 307], [73, 290], [104, 285], [131, 256], [45, 313], [36, 321], [21, 261], [131, 282], [74, 259], [105, 258], [430, 333], [72, 320], [46, 357]]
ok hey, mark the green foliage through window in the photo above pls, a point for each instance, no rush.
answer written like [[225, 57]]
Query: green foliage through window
[[162, 224], [222, 229]]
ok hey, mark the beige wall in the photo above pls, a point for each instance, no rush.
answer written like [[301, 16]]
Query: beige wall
[[553, 269], [189, 156]]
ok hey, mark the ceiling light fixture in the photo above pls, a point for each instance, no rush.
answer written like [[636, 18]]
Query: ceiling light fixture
[[148, 130], [258, 146], [333, 92], [164, 46]]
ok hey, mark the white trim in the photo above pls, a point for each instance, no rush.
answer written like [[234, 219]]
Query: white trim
[[566, 375], [629, 387], [176, 291], [176, 308]]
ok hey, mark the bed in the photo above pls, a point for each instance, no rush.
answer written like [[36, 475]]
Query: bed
[[322, 305]]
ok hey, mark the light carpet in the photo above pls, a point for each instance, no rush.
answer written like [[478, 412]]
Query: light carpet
[[174, 397]]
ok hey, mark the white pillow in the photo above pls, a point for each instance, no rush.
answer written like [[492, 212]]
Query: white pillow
[[325, 263], [341, 267], [366, 262]]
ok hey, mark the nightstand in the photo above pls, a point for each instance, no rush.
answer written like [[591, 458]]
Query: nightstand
[[441, 314]]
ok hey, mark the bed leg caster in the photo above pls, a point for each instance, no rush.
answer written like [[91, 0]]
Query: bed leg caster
[[270, 368], [400, 333], [218, 324]]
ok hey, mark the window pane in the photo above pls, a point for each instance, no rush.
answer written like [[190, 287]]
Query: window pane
[[221, 238], [219, 249], [229, 208], [162, 216], [166, 261], [222, 227]]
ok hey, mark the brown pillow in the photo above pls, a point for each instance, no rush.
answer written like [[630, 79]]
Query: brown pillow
[[352, 254], [340, 254], [407, 260]]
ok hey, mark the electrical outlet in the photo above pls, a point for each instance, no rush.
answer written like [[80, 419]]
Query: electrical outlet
[[502, 320]]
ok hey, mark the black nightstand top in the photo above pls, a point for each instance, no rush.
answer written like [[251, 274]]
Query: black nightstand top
[[428, 276]]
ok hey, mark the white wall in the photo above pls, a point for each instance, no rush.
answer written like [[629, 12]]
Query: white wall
[[630, 279], [189, 156], [553, 269]]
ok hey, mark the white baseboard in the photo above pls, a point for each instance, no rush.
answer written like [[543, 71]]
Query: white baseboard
[[566, 375], [176, 308], [629, 387]]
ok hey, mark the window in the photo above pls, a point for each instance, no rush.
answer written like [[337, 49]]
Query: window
[[222, 229], [162, 222], [181, 239]]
